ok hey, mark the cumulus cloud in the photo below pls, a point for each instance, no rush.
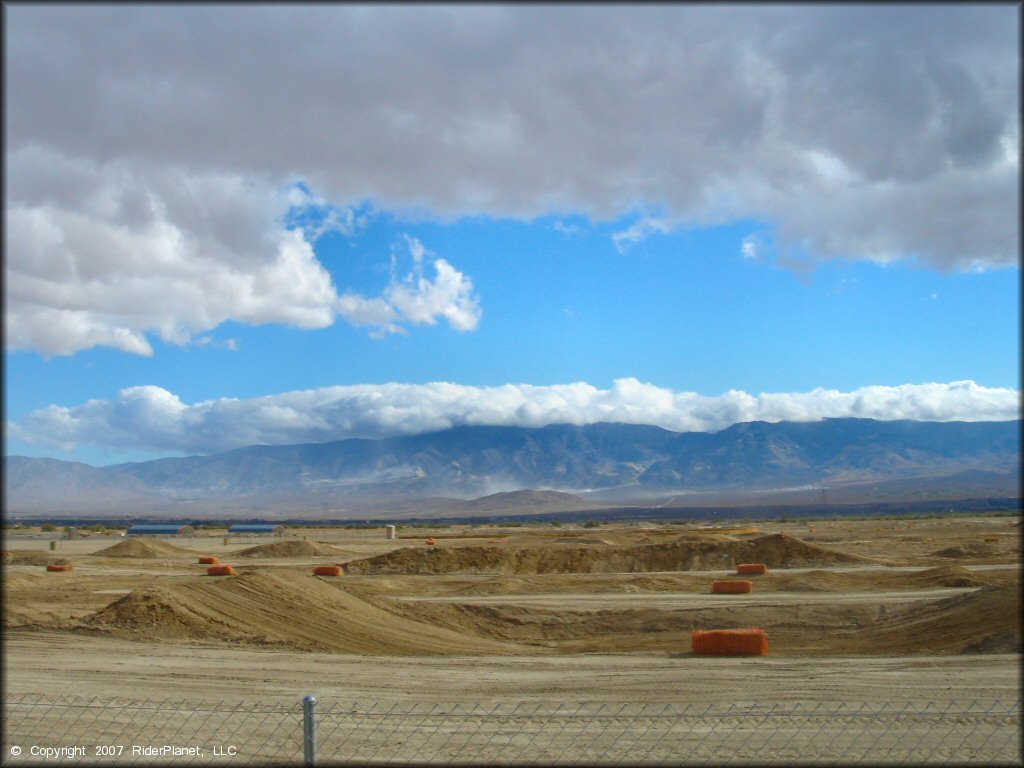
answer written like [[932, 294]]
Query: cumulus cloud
[[152, 419], [857, 131], [113, 252], [107, 254], [416, 299]]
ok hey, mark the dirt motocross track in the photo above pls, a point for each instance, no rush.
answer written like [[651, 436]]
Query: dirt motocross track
[[945, 591]]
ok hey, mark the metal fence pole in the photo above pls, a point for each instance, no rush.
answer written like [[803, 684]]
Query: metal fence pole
[[309, 730]]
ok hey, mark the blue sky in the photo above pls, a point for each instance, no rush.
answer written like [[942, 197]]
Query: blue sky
[[589, 246]]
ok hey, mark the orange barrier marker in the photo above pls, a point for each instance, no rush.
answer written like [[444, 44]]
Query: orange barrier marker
[[220, 570], [732, 586], [430, 542], [752, 568], [209, 560], [327, 570], [730, 642], [52, 567], [496, 541]]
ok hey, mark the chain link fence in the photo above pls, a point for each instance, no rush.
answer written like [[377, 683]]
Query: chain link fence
[[69, 730]]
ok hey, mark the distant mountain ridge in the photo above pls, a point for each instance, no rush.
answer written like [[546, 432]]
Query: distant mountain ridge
[[473, 461]]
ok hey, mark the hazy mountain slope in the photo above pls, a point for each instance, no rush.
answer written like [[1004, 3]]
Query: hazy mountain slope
[[759, 454], [469, 462], [44, 483]]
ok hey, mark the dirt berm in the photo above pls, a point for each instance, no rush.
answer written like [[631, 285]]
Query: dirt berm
[[289, 549], [775, 550], [295, 610], [947, 576], [984, 621], [971, 549], [29, 557], [143, 548]]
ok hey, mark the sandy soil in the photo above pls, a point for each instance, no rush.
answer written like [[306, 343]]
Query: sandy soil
[[861, 611], [37, 661], [924, 586]]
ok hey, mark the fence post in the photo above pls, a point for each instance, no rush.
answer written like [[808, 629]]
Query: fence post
[[309, 730]]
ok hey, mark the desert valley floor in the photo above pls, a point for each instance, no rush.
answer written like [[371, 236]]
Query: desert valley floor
[[873, 610]]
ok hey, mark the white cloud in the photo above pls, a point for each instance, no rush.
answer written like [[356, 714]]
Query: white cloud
[[569, 230], [316, 216], [858, 131], [152, 419], [416, 299], [749, 249], [359, 311], [638, 231], [103, 255], [209, 341]]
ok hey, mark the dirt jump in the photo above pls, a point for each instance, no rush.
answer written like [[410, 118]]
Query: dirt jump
[[144, 548], [775, 550]]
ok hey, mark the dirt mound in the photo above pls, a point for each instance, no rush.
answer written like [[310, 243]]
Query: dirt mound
[[972, 549], [778, 550], [154, 612], [983, 621], [29, 557], [945, 576], [132, 547], [290, 548], [288, 609], [986, 620], [775, 550]]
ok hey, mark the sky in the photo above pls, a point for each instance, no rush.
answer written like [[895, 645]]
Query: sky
[[270, 224]]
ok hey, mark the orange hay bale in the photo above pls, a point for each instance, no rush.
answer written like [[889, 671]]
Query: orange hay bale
[[52, 567], [220, 570], [991, 539], [327, 570], [730, 642], [731, 586], [752, 568], [209, 560], [430, 542]]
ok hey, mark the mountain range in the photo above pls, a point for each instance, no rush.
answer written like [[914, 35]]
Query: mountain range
[[603, 462]]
